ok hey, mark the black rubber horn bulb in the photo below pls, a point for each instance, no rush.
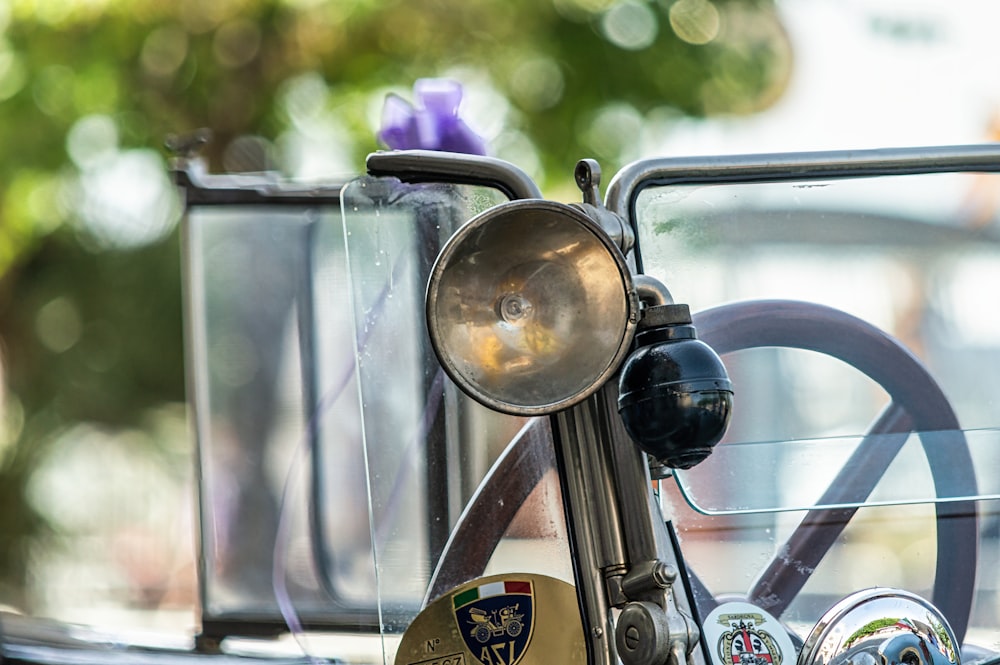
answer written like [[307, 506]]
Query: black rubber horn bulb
[[675, 396]]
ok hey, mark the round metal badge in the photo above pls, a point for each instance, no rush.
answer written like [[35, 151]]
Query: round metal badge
[[512, 619], [739, 633]]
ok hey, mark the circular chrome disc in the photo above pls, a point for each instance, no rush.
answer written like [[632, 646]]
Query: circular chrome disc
[[881, 625]]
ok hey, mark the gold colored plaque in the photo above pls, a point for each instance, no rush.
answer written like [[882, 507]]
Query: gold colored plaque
[[510, 619]]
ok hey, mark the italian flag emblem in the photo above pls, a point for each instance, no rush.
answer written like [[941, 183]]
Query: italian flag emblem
[[496, 619]]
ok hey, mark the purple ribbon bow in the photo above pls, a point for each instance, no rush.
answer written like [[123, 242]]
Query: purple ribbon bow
[[433, 124]]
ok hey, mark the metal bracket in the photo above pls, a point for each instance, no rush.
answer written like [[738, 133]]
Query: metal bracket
[[588, 179]]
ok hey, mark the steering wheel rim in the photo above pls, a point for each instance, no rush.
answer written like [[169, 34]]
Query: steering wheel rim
[[754, 324], [920, 406]]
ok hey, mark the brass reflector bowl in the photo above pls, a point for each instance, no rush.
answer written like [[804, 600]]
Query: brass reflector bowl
[[530, 307]]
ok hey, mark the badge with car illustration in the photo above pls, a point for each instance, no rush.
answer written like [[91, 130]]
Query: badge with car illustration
[[514, 619], [739, 633]]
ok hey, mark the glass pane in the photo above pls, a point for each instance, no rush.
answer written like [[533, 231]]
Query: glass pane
[[249, 295], [909, 254], [914, 256], [897, 462], [428, 447]]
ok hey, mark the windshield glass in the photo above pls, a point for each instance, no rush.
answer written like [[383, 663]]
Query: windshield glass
[[904, 260], [911, 255], [426, 446]]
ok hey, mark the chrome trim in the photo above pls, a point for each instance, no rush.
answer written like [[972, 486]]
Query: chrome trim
[[434, 166], [633, 178], [592, 513], [651, 291]]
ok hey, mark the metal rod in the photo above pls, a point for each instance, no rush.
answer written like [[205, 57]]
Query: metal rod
[[433, 166], [627, 183], [592, 517]]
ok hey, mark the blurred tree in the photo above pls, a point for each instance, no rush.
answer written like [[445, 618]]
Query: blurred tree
[[89, 282]]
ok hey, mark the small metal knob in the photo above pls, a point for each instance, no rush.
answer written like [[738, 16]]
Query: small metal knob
[[642, 635]]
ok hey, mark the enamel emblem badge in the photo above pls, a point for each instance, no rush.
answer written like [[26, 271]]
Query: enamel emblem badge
[[743, 634], [495, 620], [514, 619]]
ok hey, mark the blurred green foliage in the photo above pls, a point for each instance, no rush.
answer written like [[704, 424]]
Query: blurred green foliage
[[90, 313]]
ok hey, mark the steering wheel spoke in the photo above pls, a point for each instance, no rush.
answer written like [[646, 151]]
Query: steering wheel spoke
[[918, 405], [815, 535]]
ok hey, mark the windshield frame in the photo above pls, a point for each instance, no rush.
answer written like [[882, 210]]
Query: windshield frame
[[626, 186]]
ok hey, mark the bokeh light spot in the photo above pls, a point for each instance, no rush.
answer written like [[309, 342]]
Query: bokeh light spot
[[236, 43], [484, 107], [304, 98], [581, 10], [53, 89], [51, 12], [201, 17], [12, 74], [58, 325], [613, 132], [33, 204], [630, 25], [537, 84], [247, 154], [164, 51], [91, 140], [517, 148], [127, 200], [695, 21], [317, 143]]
